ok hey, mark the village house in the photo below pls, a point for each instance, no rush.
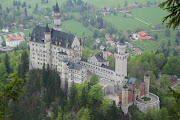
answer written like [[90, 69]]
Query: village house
[[144, 36], [110, 42], [138, 51], [109, 53], [21, 26], [174, 78], [132, 6], [14, 41], [5, 30], [107, 13], [135, 36], [107, 36], [98, 40], [46, 17]]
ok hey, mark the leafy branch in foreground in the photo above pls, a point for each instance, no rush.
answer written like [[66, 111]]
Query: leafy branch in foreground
[[175, 109], [10, 92], [173, 7]]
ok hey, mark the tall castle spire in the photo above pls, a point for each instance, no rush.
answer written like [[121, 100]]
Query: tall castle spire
[[57, 17]]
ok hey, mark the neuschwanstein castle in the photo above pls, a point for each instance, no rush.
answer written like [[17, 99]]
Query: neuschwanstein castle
[[63, 52]]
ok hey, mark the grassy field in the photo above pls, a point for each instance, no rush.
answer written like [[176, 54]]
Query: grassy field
[[9, 3], [154, 45], [69, 27], [76, 27], [116, 3], [125, 23], [151, 15]]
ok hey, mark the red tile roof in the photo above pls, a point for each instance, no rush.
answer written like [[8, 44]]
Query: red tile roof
[[137, 50], [107, 35], [109, 42], [13, 23], [21, 25], [101, 29], [107, 13], [109, 53], [145, 38], [14, 38], [31, 20], [142, 33], [132, 5]]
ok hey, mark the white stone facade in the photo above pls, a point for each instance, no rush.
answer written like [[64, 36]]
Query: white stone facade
[[63, 52]]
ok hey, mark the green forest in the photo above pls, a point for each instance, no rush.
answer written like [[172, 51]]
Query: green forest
[[36, 94]]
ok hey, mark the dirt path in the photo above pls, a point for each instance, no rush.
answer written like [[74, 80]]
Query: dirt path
[[138, 19]]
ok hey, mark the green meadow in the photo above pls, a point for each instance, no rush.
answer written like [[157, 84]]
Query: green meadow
[[116, 3], [152, 15], [76, 27], [125, 23]]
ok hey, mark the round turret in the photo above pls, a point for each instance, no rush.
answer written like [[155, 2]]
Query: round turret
[[125, 99], [147, 83]]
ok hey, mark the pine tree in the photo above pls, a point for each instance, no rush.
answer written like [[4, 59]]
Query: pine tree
[[14, 3], [167, 33], [178, 34], [29, 6], [155, 36], [0, 7], [24, 66], [169, 43], [6, 62], [176, 53], [36, 6], [25, 12], [177, 41], [72, 95], [19, 3]]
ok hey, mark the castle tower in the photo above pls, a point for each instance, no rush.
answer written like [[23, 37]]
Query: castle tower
[[125, 99], [47, 41], [47, 34], [57, 17], [147, 83], [104, 53], [121, 63]]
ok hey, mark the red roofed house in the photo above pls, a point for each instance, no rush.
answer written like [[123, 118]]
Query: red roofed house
[[107, 36], [132, 6], [109, 42], [21, 26], [107, 13], [101, 29], [14, 41], [138, 51], [109, 53], [65, 15], [13, 24], [144, 36], [30, 20]]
